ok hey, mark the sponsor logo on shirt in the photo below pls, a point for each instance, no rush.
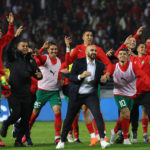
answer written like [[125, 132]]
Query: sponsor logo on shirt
[[52, 72], [31, 61]]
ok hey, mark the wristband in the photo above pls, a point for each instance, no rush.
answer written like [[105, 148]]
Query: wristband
[[67, 49]]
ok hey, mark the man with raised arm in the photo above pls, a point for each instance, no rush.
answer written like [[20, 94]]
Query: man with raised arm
[[79, 52], [4, 40]]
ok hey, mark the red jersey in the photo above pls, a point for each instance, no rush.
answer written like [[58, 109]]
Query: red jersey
[[123, 46], [79, 52], [63, 66], [148, 48], [144, 64], [34, 87], [5, 40]]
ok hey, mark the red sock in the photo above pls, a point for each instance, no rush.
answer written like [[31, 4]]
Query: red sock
[[145, 125], [95, 127], [90, 128], [76, 127], [32, 120], [118, 126], [57, 124], [125, 127]]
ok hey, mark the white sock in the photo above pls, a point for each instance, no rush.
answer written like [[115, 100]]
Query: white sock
[[92, 135], [57, 137], [97, 136]]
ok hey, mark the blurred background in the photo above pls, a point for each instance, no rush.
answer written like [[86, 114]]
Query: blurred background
[[111, 20]]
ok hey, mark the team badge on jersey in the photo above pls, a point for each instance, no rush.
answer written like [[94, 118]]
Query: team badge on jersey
[[31, 61], [149, 61], [142, 62]]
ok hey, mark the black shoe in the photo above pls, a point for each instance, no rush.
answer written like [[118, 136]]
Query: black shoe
[[29, 142], [3, 130], [77, 141], [119, 140], [18, 144]]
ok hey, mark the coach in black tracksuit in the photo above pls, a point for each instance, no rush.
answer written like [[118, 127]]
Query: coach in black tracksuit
[[22, 66], [84, 79]]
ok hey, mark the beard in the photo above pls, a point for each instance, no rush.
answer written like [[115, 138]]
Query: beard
[[92, 56]]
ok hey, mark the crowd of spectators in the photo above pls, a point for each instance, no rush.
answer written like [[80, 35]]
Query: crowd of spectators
[[111, 20]]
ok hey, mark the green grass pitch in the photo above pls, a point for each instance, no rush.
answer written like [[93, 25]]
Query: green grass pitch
[[43, 138]]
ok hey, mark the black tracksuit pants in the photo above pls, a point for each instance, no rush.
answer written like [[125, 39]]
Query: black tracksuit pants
[[18, 123], [19, 108], [92, 102], [141, 99]]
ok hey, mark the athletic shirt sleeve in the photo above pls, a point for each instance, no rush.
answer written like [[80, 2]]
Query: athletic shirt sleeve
[[63, 66], [41, 50], [42, 59], [138, 72], [136, 36], [121, 47], [102, 56], [143, 80], [148, 48], [8, 36], [70, 58]]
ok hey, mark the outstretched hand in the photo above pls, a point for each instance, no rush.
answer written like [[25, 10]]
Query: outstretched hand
[[68, 40], [38, 74], [140, 30], [65, 71], [127, 41], [19, 30], [36, 52], [85, 74], [10, 18], [46, 45], [110, 53]]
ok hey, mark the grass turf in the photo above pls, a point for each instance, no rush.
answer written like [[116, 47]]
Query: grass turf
[[43, 138]]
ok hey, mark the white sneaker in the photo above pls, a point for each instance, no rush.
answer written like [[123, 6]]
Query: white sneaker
[[112, 137], [126, 142], [134, 137], [104, 144], [60, 145], [70, 138], [145, 137]]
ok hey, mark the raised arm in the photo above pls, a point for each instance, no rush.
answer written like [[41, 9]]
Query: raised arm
[[11, 47], [10, 34], [138, 32], [102, 57], [69, 57], [42, 58], [44, 47], [123, 46]]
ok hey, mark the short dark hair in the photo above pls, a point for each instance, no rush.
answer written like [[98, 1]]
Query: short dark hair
[[141, 43], [52, 43], [21, 40], [87, 30], [124, 50]]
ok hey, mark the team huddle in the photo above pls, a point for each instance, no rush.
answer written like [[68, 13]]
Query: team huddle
[[36, 77]]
